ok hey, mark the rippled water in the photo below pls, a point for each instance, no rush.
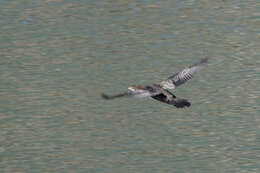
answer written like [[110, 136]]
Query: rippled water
[[57, 56]]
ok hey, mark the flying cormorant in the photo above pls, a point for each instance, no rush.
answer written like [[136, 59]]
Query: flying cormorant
[[160, 91]]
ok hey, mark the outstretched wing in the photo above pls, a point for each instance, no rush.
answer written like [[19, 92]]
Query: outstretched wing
[[186, 74], [109, 97], [131, 93], [135, 91]]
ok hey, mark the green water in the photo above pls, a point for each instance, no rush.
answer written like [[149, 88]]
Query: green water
[[57, 56]]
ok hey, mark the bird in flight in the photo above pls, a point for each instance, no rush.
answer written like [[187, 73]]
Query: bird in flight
[[160, 91]]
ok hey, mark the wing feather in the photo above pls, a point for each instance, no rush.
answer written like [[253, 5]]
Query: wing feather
[[183, 76]]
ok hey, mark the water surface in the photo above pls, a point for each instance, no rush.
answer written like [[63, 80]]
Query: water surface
[[57, 56]]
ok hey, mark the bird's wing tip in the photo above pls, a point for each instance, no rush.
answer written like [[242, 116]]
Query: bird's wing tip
[[201, 63], [204, 60], [104, 96]]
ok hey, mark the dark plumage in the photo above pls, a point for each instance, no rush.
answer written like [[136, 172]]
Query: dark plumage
[[160, 91], [179, 103]]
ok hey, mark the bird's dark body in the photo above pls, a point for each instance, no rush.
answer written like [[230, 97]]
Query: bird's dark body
[[179, 103]]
